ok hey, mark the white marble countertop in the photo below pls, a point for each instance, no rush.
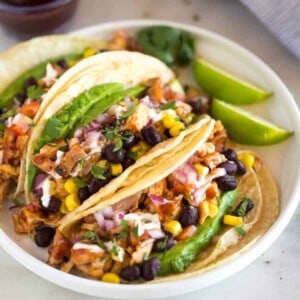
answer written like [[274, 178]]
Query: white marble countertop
[[276, 274]]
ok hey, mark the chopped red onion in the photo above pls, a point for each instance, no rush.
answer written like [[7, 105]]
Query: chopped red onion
[[38, 181], [108, 212], [78, 132], [75, 239], [109, 224], [95, 124], [156, 233], [99, 218], [158, 200]]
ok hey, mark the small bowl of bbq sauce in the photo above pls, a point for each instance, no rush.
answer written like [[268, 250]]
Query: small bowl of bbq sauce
[[35, 16]]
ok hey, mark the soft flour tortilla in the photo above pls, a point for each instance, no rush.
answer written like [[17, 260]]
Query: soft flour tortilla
[[258, 184], [25, 56]]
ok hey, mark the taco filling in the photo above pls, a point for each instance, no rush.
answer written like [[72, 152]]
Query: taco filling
[[19, 104], [95, 138], [161, 229]]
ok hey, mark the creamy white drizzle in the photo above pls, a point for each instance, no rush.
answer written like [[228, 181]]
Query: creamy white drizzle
[[46, 192], [91, 248]]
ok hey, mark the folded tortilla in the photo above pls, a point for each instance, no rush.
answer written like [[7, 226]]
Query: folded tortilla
[[22, 61]]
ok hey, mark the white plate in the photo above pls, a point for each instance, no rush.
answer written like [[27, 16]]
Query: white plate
[[282, 159]]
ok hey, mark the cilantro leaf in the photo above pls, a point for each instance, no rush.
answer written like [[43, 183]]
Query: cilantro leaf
[[131, 109], [115, 250], [169, 105], [135, 231], [240, 230], [98, 172], [244, 207], [79, 182], [89, 235], [35, 92]]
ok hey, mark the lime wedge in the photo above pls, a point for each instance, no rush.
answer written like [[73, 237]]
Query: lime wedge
[[246, 128], [220, 84]]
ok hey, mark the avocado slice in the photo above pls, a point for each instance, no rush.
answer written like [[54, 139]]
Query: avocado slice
[[38, 72], [82, 110]]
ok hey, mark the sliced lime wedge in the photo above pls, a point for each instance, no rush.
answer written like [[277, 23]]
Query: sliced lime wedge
[[220, 84], [246, 128]]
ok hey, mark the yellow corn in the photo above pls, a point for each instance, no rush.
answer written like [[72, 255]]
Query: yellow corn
[[52, 188], [168, 121], [116, 169], [72, 202], [144, 146], [63, 208], [89, 52], [232, 220], [72, 63], [176, 128], [248, 159], [173, 226], [70, 186], [213, 209], [201, 170], [103, 164], [111, 278], [189, 118], [203, 211]]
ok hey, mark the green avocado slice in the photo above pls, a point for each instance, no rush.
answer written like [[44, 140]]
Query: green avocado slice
[[180, 256], [38, 72]]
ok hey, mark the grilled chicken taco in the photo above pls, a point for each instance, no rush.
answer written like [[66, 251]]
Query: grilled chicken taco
[[28, 71], [185, 219], [121, 112]]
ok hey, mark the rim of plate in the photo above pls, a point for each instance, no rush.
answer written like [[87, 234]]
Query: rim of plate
[[192, 282]]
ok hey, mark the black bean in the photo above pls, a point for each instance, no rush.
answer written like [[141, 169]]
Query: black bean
[[83, 193], [54, 205], [114, 156], [230, 154], [20, 98], [226, 183], [127, 162], [31, 81], [63, 63], [229, 166], [189, 216], [241, 169], [129, 139], [131, 273], [150, 268], [151, 135], [44, 235], [97, 184], [196, 105], [163, 244]]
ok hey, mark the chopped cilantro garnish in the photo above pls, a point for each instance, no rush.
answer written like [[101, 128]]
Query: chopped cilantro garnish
[[124, 224], [79, 182], [244, 207], [98, 172], [135, 231], [34, 92], [169, 105], [131, 109], [240, 230], [89, 235], [114, 250]]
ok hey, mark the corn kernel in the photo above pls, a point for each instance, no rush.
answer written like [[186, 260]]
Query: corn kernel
[[173, 226], [247, 159], [232, 220], [72, 202], [203, 211], [201, 170], [189, 118], [72, 63], [103, 164], [89, 52], [70, 186], [111, 278], [176, 128], [63, 208], [52, 188], [144, 146], [116, 169], [213, 209], [168, 121]]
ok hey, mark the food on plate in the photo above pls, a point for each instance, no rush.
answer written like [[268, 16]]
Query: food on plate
[[225, 86], [172, 223], [28, 71], [121, 113], [246, 128]]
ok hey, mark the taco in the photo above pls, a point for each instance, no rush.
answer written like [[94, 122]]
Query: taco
[[121, 111], [173, 224], [28, 71]]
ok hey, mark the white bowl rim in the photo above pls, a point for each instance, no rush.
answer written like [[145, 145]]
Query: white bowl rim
[[138, 291]]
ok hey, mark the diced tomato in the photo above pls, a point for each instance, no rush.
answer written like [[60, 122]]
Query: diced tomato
[[156, 90], [30, 109]]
